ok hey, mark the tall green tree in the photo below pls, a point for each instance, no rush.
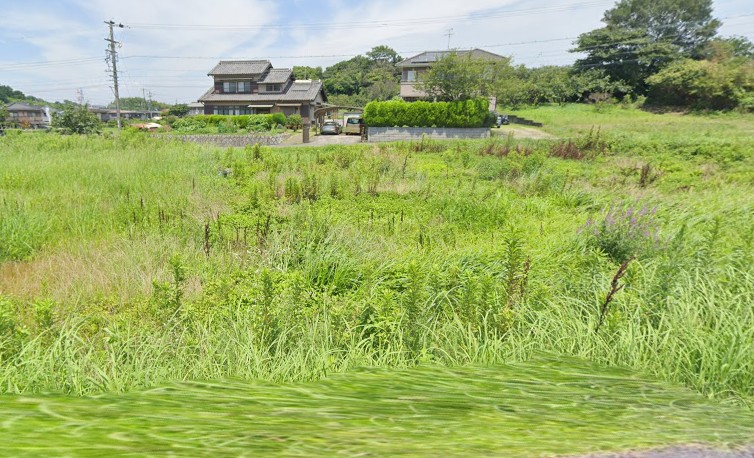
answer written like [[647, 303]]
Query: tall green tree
[[461, 77], [304, 72], [384, 55], [641, 37], [76, 119], [363, 78], [139, 103]]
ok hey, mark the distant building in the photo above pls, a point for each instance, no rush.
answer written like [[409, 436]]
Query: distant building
[[196, 108], [254, 87], [413, 67], [106, 114], [27, 116]]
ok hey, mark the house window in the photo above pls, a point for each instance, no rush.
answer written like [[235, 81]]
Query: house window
[[411, 75], [243, 86], [231, 110], [273, 88], [229, 87]]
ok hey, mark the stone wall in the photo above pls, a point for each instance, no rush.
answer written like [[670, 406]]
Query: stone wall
[[226, 141], [393, 134]]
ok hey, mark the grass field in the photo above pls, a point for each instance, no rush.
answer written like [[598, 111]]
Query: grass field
[[543, 407], [131, 263]]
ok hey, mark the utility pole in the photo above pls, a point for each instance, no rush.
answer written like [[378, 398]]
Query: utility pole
[[449, 34], [113, 58]]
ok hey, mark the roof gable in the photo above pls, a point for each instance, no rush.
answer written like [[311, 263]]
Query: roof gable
[[277, 76], [24, 106], [430, 57], [240, 67]]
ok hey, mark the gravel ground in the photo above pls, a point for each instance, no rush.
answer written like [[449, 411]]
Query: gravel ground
[[678, 451]]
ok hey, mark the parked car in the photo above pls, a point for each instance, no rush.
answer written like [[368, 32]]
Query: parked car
[[352, 123], [330, 127], [502, 120]]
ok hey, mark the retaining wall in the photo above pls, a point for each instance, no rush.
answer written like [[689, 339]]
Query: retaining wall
[[226, 141], [392, 134]]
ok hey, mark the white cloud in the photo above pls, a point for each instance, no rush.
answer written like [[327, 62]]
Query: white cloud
[[70, 36]]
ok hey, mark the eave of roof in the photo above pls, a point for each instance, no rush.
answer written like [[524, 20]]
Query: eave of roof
[[293, 94]]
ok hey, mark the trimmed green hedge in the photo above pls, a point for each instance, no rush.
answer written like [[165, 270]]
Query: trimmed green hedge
[[229, 124], [468, 113]]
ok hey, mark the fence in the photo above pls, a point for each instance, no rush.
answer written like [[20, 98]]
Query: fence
[[227, 140], [393, 134]]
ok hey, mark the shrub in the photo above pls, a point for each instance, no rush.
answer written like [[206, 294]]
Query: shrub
[[76, 120], [278, 119], [295, 122], [468, 113]]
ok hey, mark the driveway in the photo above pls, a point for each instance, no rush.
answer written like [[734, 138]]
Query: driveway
[[322, 140]]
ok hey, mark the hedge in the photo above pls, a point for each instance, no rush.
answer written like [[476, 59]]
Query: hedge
[[467, 113], [227, 123]]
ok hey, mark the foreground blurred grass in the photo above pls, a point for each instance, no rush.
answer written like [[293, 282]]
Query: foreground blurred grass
[[546, 406]]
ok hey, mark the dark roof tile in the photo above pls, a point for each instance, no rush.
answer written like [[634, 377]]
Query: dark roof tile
[[240, 67]]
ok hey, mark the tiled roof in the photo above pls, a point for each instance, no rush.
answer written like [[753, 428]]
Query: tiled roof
[[240, 67], [20, 106], [299, 91], [429, 57], [277, 76]]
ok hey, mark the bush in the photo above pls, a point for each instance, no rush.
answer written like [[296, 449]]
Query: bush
[[703, 84], [228, 124], [295, 122], [468, 113], [76, 120], [278, 119]]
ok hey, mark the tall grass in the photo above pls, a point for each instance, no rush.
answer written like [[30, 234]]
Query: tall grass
[[301, 263]]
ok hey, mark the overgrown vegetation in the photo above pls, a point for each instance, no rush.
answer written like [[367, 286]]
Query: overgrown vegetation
[[131, 261]]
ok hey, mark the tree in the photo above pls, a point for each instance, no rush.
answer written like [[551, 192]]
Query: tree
[[3, 115], [456, 77], [360, 79], [75, 119], [384, 55], [180, 110], [705, 84], [9, 95], [138, 104], [729, 47], [303, 72], [641, 37]]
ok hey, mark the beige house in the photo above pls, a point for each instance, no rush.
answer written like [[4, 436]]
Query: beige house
[[413, 67], [254, 87], [28, 116]]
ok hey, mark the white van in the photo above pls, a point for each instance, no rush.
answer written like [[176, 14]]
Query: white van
[[352, 123]]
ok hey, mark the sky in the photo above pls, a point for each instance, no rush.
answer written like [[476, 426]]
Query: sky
[[55, 50]]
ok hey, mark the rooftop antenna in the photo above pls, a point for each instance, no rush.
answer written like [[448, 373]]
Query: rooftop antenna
[[449, 34]]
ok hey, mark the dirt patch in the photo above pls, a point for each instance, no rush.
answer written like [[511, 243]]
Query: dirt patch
[[677, 451], [523, 133]]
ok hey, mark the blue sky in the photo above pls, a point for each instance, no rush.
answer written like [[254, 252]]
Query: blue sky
[[52, 49]]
